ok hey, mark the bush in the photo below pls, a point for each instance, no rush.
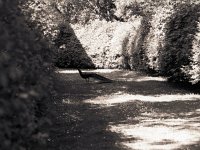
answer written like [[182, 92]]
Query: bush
[[180, 32], [70, 52], [25, 74], [49, 18]]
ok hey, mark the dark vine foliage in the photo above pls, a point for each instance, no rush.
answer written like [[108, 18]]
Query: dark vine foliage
[[26, 82]]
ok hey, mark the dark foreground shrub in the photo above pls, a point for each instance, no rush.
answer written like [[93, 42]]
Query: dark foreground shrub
[[25, 80]]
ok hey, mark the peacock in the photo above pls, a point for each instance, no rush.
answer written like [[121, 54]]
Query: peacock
[[88, 75]]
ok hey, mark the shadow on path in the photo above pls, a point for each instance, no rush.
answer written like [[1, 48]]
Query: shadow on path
[[84, 120]]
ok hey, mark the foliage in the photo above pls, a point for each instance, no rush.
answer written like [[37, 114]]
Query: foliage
[[154, 47], [70, 52], [47, 17], [171, 44], [83, 11], [194, 70], [25, 74], [154, 40], [165, 42], [139, 54], [180, 32], [108, 43]]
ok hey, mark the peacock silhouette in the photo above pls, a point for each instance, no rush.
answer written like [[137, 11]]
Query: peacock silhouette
[[88, 75]]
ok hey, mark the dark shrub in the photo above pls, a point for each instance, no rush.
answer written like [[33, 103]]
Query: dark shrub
[[180, 32], [25, 80]]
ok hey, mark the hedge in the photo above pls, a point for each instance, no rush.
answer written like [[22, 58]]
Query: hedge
[[26, 80]]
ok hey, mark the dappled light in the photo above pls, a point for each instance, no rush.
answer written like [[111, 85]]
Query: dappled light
[[117, 98], [141, 79], [154, 128], [151, 79], [160, 131]]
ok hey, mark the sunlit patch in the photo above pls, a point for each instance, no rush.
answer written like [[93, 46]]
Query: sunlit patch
[[117, 98], [133, 78], [129, 73], [151, 79], [142, 79], [155, 133]]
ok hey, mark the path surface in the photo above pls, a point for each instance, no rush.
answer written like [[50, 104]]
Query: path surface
[[135, 113]]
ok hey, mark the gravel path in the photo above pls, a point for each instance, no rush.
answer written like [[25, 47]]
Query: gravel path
[[136, 112]]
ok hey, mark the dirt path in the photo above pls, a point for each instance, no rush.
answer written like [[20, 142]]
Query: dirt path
[[136, 112]]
